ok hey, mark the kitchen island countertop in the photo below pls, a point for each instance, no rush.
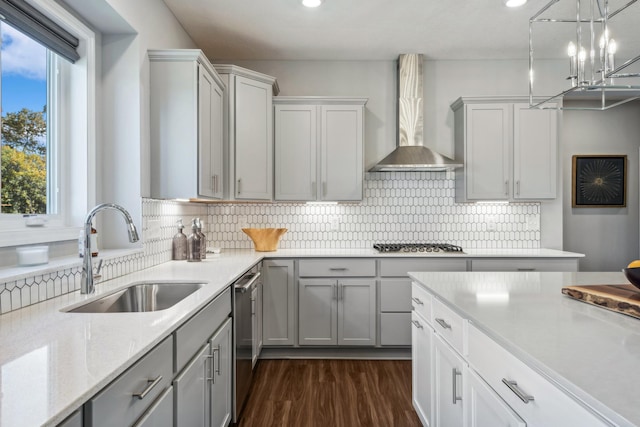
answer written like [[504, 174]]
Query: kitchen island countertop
[[587, 351]]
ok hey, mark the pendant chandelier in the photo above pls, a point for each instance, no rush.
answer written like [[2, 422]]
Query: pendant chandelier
[[598, 39]]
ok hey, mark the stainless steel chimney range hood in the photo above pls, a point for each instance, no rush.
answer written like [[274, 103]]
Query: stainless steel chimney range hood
[[411, 154]]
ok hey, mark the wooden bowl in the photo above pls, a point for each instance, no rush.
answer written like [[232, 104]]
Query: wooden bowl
[[265, 239], [633, 275]]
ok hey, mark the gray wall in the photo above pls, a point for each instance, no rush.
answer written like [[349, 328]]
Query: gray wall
[[608, 236]]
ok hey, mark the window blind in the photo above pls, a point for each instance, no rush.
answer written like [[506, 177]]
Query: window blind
[[24, 17]]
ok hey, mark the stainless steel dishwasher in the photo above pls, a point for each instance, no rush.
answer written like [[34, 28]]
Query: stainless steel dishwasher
[[245, 335]]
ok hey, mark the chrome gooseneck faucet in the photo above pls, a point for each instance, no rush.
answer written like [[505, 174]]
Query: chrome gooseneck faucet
[[86, 284]]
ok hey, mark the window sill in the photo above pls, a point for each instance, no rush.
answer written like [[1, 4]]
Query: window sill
[[9, 274]]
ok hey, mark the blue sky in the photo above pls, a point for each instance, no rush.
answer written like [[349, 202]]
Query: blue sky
[[24, 67]]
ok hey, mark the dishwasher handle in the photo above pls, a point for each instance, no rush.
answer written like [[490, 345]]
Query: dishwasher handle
[[244, 287]]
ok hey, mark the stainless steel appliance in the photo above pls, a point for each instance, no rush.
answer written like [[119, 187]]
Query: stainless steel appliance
[[417, 247], [245, 335]]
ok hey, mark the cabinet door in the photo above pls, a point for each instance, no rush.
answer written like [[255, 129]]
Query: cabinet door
[[206, 132], [535, 153], [318, 311], [221, 367], [448, 381], [278, 303], [192, 391], [422, 373], [484, 407], [210, 136], [253, 140], [356, 312], [341, 162], [487, 153], [295, 148], [160, 414]]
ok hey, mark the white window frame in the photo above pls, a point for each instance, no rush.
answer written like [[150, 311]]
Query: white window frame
[[76, 136]]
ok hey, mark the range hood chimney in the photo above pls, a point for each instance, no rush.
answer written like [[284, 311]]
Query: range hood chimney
[[411, 154]]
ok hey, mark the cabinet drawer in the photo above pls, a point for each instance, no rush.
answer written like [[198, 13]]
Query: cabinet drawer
[[116, 403], [421, 301], [550, 407], [400, 267], [449, 325], [395, 295], [337, 267], [395, 329], [547, 264], [190, 336]]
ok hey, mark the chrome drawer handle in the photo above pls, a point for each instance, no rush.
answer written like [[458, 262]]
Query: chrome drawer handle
[[417, 324], [442, 323], [454, 375], [417, 300], [152, 384], [338, 269], [513, 386], [526, 269]]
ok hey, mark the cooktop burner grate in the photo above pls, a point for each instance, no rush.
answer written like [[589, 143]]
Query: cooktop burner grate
[[417, 247]]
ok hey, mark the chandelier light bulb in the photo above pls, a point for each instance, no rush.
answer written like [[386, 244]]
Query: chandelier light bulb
[[582, 56], [571, 50], [613, 47], [312, 3]]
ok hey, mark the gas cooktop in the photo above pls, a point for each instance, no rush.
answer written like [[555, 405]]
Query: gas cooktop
[[417, 247]]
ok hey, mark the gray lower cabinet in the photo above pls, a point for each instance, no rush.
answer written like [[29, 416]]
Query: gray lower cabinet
[[192, 395], [395, 294], [337, 312], [221, 344], [125, 400], [525, 264], [73, 420], [278, 302]]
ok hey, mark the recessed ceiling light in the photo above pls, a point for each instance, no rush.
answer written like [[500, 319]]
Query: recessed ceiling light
[[514, 3], [312, 3]]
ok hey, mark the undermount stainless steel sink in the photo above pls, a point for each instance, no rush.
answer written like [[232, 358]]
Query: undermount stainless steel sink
[[140, 297]]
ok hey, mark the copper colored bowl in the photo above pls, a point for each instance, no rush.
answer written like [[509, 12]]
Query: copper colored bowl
[[633, 275]]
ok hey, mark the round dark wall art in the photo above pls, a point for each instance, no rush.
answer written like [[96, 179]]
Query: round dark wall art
[[599, 181]]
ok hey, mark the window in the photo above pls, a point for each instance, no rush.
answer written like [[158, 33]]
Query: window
[[47, 106], [28, 172]]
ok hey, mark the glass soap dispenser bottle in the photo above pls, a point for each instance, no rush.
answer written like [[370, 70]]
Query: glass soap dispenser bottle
[[193, 244], [203, 239], [179, 244]]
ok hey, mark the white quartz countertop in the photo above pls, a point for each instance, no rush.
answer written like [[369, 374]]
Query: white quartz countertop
[[52, 361], [588, 351]]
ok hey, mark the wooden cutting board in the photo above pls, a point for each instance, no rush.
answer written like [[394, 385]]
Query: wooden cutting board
[[621, 298]]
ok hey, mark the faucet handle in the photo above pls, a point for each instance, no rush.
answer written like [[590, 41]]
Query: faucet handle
[[97, 274]]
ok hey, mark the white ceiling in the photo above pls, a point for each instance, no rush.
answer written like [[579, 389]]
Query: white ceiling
[[356, 29]]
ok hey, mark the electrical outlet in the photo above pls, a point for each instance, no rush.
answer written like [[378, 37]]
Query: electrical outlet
[[153, 229], [491, 223]]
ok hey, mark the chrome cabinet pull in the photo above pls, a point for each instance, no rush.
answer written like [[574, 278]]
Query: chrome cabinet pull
[[238, 189], [218, 365], [513, 386], [211, 357], [454, 377], [417, 324], [334, 292], [442, 323], [518, 187], [506, 187], [340, 291], [526, 269], [417, 300], [150, 386], [338, 269]]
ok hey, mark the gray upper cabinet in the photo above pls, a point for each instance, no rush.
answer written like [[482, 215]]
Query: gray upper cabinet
[[509, 150], [319, 148], [186, 116], [249, 132]]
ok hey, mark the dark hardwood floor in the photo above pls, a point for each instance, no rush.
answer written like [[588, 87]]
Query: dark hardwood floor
[[330, 393]]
